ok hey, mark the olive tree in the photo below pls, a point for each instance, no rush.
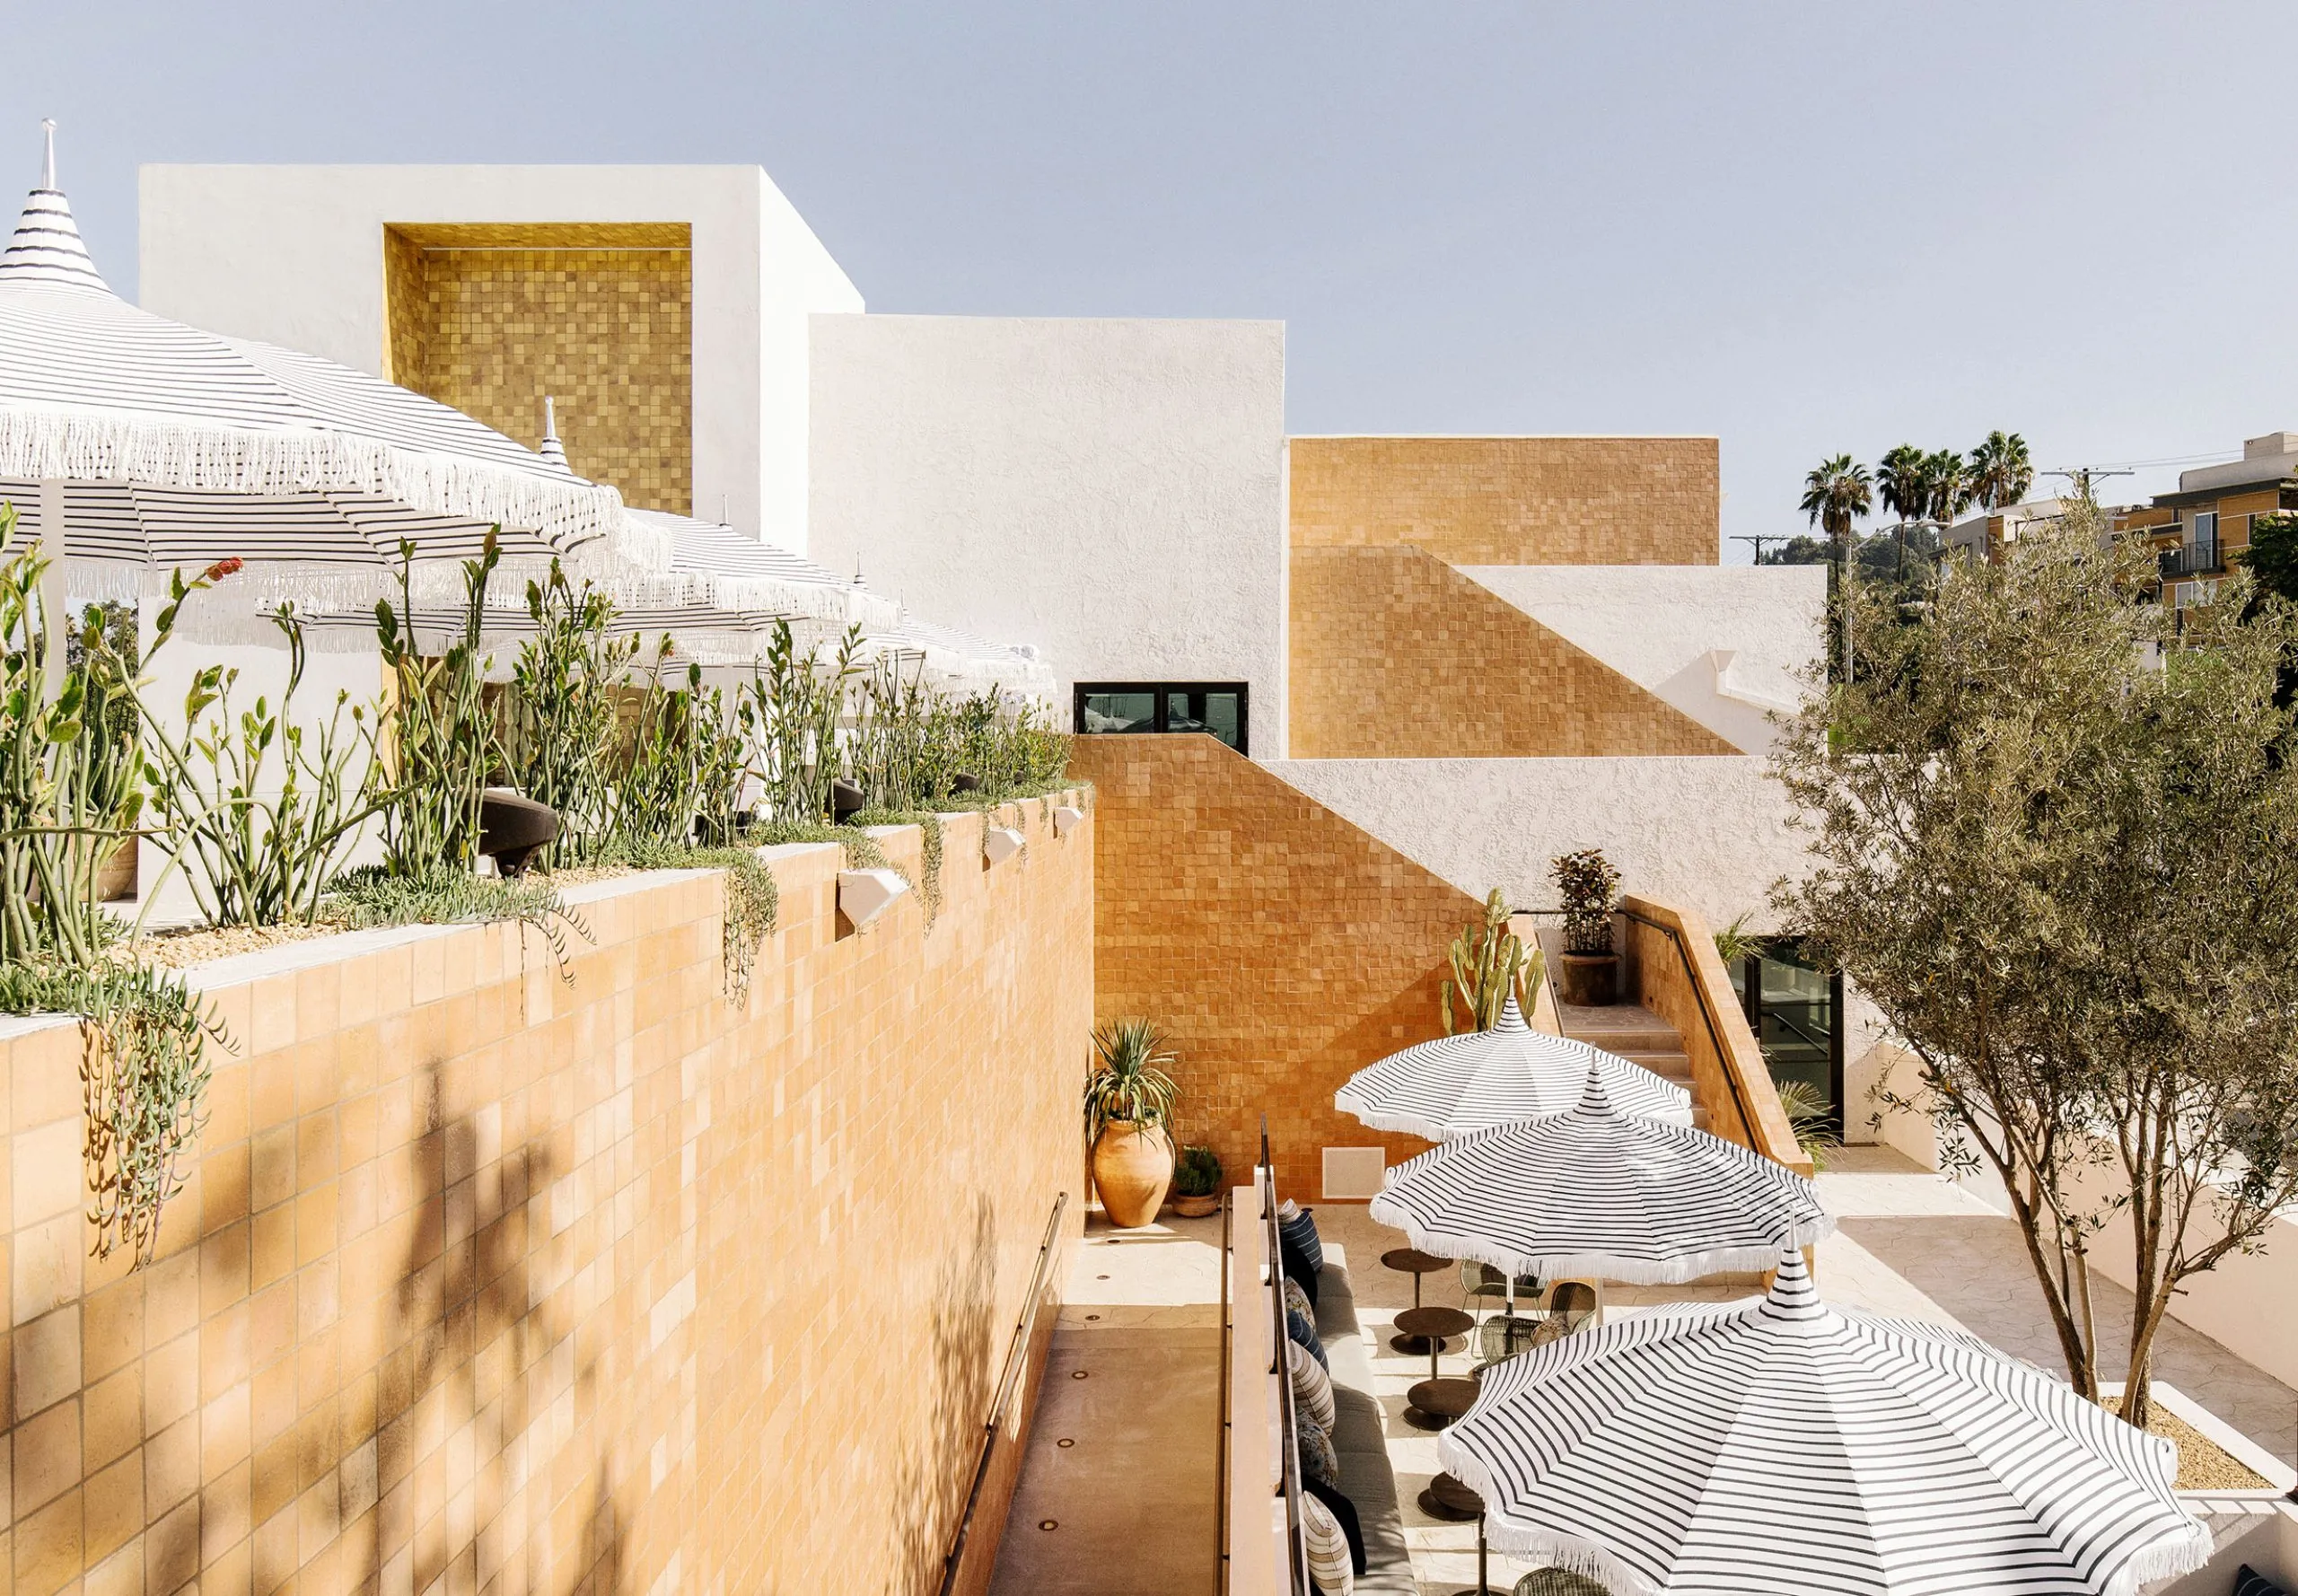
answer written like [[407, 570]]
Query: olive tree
[[2054, 840]]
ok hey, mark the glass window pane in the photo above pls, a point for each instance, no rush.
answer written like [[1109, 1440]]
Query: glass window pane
[[1118, 712], [1222, 717]]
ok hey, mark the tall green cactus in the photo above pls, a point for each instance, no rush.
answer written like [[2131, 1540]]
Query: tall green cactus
[[1489, 964]]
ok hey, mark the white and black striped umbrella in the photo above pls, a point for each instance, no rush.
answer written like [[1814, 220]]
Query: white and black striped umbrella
[[1789, 1449], [1595, 1192], [93, 390], [1457, 1084]]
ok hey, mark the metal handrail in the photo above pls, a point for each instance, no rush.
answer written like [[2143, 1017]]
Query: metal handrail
[[1221, 1435], [1708, 1018], [1288, 1451], [1017, 1358]]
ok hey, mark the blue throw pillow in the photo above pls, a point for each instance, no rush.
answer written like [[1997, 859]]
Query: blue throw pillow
[[1305, 1333], [1297, 1270], [2249, 1581], [1299, 1235]]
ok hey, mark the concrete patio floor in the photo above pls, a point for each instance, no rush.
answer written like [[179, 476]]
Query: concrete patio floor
[[1122, 1456]]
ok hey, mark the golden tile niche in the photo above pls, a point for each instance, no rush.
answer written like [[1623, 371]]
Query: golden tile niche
[[490, 317]]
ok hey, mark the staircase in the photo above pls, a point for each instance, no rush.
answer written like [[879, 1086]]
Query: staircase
[[1639, 1036]]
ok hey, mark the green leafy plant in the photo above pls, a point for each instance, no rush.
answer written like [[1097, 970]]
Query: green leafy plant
[[435, 749], [144, 1073], [790, 713], [257, 841], [68, 768], [1197, 1173], [1590, 887], [1489, 965], [1809, 1113], [373, 896], [1129, 1086], [1735, 941], [564, 735]]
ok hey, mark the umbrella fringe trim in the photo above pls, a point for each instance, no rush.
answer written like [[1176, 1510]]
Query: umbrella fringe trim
[[1692, 1266], [1571, 1553], [2179, 1551], [1428, 1130], [44, 443]]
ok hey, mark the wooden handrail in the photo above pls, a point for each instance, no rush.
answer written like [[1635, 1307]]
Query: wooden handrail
[[1754, 1102], [1708, 1017]]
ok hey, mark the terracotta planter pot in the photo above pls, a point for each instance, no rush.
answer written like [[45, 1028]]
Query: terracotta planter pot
[[1197, 1207], [1591, 978], [1132, 1171]]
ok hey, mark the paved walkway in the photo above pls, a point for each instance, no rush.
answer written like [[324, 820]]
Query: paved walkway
[[1121, 1459], [1970, 1260]]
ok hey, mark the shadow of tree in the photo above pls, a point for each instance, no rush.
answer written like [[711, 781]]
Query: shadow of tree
[[484, 1369], [933, 1480]]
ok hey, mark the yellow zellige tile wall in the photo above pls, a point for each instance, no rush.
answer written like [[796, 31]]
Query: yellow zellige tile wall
[[490, 1282], [1512, 501]]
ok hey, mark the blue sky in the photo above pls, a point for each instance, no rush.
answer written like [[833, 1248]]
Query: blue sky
[[1803, 228]]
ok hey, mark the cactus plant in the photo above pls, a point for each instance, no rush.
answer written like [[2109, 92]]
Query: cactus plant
[[1489, 965]]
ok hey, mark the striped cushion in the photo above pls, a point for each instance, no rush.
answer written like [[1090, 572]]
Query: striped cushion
[[1305, 1333], [1299, 1235], [1327, 1549], [1345, 1510], [2249, 1581], [1311, 1386], [1318, 1461]]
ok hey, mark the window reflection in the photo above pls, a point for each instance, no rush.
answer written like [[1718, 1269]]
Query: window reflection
[[1218, 709]]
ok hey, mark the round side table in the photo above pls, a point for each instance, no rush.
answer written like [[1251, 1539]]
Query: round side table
[[1410, 1261]]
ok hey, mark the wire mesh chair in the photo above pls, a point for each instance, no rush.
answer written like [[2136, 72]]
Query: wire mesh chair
[[1557, 1582]]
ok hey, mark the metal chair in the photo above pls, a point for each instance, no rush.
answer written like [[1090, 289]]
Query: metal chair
[[1557, 1582]]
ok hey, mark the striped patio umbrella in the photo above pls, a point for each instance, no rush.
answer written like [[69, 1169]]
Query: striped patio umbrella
[[1793, 1447], [1595, 1192], [305, 461], [1457, 1084]]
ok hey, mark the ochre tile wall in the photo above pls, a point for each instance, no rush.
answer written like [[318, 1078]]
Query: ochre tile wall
[[1280, 947], [1397, 655], [490, 1283], [1512, 501], [477, 321]]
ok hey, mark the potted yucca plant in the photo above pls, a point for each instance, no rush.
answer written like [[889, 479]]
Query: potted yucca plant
[[1128, 1111]]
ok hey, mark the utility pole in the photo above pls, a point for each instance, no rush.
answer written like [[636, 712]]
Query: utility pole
[[1760, 539], [2082, 477]]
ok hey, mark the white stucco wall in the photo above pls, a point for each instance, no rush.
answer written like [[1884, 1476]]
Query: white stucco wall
[[1708, 833], [1726, 645], [1111, 491], [293, 255]]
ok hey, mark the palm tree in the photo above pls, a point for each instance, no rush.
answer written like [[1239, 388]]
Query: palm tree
[[2001, 471], [1904, 480], [1951, 485], [1837, 492]]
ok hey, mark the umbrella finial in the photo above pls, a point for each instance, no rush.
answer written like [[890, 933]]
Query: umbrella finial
[[1512, 1018], [1596, 1102], [1794, 1295], [46, 249], [553, 452]]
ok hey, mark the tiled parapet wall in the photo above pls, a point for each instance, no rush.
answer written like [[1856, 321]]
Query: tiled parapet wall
[[488, 1280], [1395, 654], [1520, 501], [1280, 947]]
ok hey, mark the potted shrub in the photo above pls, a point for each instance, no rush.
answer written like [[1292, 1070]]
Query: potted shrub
[[1128, 1105], [1196, 1183], [1589, 887]]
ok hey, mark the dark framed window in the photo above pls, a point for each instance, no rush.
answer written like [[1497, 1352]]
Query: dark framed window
[[1217, 707], [1797, 1010]]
